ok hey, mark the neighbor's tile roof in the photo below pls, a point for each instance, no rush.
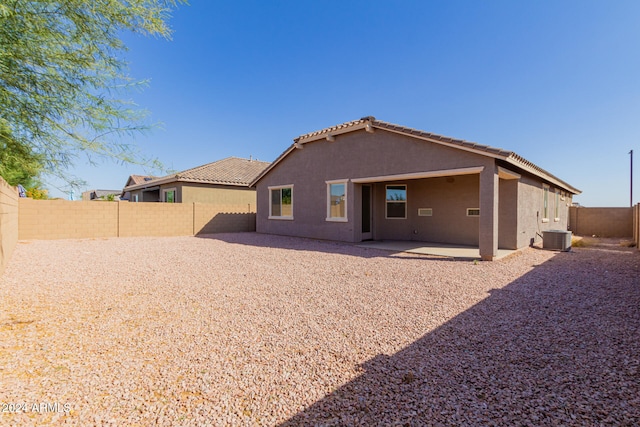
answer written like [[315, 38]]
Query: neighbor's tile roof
[[370, 122], [140, 179], [230, 171]]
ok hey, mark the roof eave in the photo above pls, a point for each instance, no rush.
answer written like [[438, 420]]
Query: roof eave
[[151, 183], [179, 179], [483, 150], [524, 164]]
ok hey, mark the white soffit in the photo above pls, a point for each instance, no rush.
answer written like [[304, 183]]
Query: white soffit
[[419, 175]]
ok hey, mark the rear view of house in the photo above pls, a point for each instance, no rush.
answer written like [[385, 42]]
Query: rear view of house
[[369, 179]]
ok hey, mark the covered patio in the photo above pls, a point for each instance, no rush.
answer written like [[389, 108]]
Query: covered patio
[[458, 252]]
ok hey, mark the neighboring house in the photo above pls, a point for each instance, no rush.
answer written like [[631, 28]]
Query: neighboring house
[[100, 195], [368, 179], [223, 182], [134, 180]]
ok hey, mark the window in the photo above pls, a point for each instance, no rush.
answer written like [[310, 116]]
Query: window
[[556, 207], [396, 201], [135, 197], [473, 211], [169, 195], [545, 203], [337, 200], [281, 206]]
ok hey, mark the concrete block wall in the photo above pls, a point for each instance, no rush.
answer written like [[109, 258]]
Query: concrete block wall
[[61, 219], [601, 222], [224, 218], [636, 225], [155, 219], [8, 222]]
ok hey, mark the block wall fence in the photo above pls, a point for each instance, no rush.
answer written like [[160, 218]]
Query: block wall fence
[[63, 219], [604, 222], [8, 222]]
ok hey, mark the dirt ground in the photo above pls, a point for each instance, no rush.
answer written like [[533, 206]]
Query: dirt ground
[[248, 329]]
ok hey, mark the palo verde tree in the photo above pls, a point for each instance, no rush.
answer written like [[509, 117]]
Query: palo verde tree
[[19, 164], [63, 79]]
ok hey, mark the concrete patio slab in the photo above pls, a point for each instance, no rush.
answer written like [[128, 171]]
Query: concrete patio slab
[[426, 248]]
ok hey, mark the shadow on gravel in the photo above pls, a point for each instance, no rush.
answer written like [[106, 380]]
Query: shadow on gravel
[[558, 346], [315, 245]]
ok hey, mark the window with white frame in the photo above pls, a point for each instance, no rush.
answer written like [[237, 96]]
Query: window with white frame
[[556, 207], [281, 202], [169, 195], [396, 202], [337, 200], [545, 203]]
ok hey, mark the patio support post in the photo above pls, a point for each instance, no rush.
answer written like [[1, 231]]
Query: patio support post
[[488, 226]]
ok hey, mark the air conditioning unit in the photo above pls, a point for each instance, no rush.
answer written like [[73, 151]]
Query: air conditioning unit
[[556, 240]]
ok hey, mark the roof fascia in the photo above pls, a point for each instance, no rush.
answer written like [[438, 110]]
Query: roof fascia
[[541, 173], [178, 179], [511, 158], [152, 183], [333, 133]]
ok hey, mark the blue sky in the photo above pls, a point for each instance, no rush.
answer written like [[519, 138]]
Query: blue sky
[[558, 82]]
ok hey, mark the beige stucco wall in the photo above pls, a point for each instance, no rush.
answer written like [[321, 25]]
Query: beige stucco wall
[[219, 195], [61, 219], [8, 222], [530, 211], [360, 155], [204, 193], [448, 197], [508, 214]]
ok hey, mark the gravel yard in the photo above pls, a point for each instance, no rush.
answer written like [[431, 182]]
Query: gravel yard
[[249, 329]]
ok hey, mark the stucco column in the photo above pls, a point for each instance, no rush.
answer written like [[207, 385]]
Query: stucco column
[[489, 195]]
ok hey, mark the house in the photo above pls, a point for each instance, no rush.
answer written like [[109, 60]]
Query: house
[[134, 180], [369, 179], [101, 195], [225, 181]]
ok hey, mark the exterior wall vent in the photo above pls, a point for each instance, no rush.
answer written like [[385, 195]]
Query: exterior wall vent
[[425, 212], [556, 240]]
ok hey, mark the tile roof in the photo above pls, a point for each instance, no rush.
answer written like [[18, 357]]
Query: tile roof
[[230, 171], [369, 123], [139, 179]]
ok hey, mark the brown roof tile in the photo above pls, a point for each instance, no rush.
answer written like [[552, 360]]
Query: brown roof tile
[[230, 171], [139, 179]]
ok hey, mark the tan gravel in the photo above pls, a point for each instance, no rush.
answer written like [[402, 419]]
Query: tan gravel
[[249, 329]]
